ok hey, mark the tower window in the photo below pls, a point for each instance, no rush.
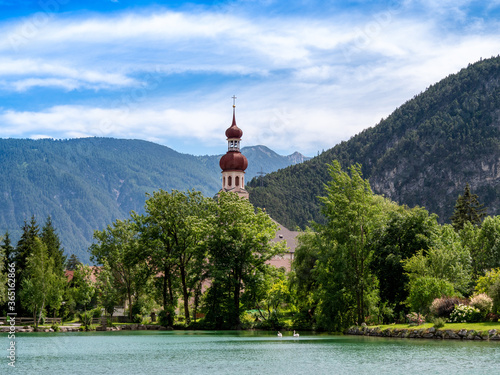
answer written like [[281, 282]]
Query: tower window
[[229, 181], [237, 181]]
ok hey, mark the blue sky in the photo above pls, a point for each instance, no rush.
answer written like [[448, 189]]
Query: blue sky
[[307, 74]]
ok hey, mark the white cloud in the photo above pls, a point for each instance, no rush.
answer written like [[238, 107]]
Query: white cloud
[[305, 82]]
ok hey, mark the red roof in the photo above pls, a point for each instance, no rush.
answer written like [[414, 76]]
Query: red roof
[[233, 132], [233, 161]]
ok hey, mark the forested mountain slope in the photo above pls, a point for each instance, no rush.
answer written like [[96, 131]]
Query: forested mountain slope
[[85, 184], [422, 154]]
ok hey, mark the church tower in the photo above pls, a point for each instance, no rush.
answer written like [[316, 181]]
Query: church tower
[[234, 163]]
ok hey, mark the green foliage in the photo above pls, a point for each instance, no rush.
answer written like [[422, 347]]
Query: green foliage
[[176, 223], [424, 289], [406, 232], [238, 247], [41, 285], [486, 248], [467, 210], [87, 183], [4, 271], [447, 260], [439, 323], [348, 287], [419, 155], [119, 246], [83, 288], [73, 263]]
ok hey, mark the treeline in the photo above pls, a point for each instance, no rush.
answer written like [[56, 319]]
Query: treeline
[[202, 263], [420, 155], [35, 271], [375, 261]]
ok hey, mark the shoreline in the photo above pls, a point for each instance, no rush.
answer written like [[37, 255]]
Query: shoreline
[[77, 328], [428, 333]]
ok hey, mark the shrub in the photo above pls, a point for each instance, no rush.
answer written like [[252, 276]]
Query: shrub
[[55, 327], [439, 323], [415, 318], [465, 314], [482, 302], [166, 317], [442, 307]]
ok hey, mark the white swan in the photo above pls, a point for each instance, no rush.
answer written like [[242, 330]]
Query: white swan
[[279, 334], [295, 334]]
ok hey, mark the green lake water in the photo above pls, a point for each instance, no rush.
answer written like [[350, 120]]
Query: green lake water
[[208, 352]]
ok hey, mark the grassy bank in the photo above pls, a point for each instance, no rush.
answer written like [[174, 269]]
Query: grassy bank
[[483, 326]]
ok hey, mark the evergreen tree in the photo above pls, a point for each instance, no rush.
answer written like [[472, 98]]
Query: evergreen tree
[[467, 209], [8, 250], [50, 238], [73, 263], [25, 245]]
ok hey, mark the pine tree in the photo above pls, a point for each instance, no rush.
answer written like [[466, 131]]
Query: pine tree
[[467, 209], [50, 238], [73, 263], [25, 245], [8, 250]]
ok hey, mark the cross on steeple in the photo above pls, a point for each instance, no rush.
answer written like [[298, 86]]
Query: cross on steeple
[[234, 101]]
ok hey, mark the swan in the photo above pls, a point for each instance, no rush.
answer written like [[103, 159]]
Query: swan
[[279, 334], [295, 334]]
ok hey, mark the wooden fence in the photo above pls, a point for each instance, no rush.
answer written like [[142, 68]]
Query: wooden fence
[[25, 321]]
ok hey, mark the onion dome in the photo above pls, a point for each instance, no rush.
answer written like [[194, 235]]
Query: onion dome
[[233, 161], [233, 131]]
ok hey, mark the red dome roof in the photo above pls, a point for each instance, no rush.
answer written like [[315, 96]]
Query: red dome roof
[[233, 131], [233, 161]]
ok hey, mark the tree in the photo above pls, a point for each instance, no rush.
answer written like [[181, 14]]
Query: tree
[[467, 209], [406, 232], [83, 290], [239, 245], [447, 260], [303, 278], [50, 238], [347, 284], [176, 224], [486, 246], [41, 285], [25, 246], [73, 263], [6, 258], [108, 294], [119, 246], [4, 267]]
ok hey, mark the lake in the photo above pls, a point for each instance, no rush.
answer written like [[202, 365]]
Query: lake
[[210, 352]]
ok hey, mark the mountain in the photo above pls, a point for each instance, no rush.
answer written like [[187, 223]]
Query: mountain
[[423, 154], [86, 184]]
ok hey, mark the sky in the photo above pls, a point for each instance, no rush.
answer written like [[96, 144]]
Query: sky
[[307, 74]]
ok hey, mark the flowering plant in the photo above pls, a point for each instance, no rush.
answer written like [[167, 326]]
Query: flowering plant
[[465, 314], [415, 318]]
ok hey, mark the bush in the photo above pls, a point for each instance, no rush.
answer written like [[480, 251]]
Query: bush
[[414, 318], [439, 323], [166, 317], [465, 314], [247, 321], [55, 327], [443, 307], [482, 302]]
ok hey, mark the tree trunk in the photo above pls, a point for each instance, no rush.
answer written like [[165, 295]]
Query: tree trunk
[[185, 294]]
